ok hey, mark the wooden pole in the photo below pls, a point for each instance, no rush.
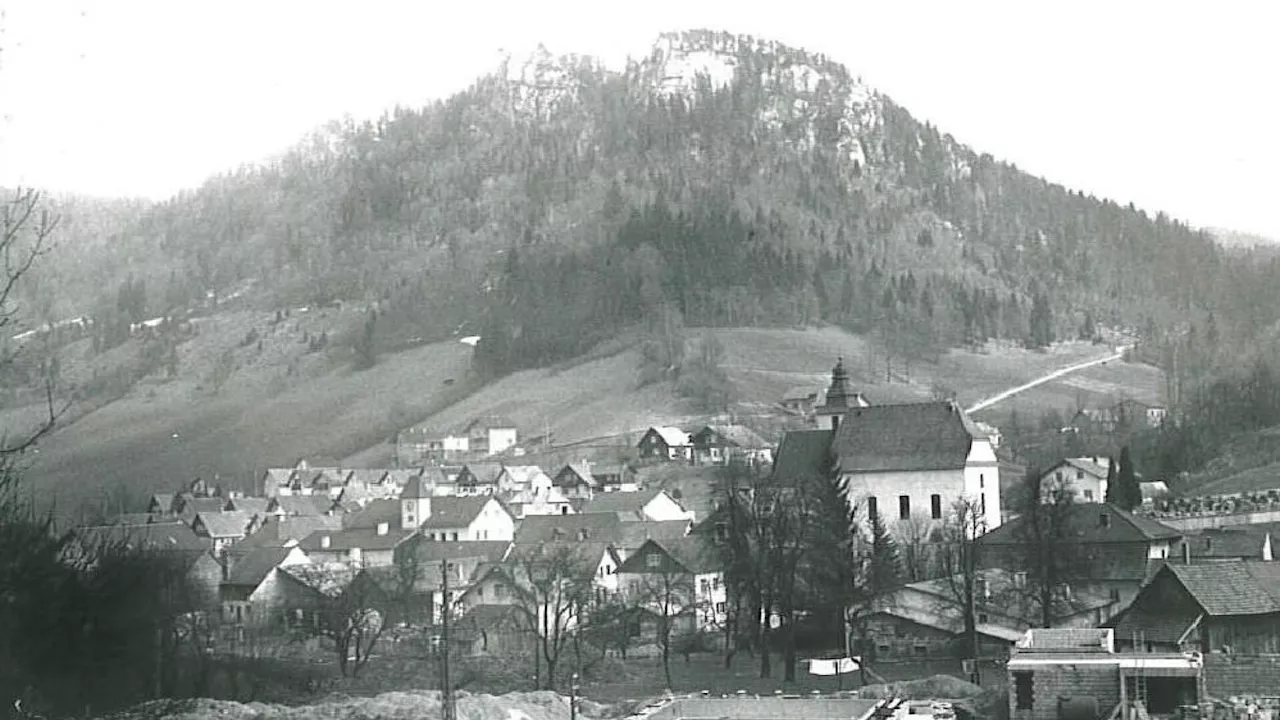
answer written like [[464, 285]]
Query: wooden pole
[[446, 690]]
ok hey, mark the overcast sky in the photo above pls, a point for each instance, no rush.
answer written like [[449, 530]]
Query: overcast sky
[[1170, 105]]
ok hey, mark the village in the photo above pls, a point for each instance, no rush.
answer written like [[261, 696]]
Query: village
[[1170, 606]]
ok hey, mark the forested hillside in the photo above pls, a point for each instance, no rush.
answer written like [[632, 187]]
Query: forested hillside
[[721, 180]]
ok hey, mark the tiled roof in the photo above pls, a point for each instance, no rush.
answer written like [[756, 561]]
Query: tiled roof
[[546, 528], [1087, 466], [454, 512], [276, 477], [432, 551], [916, 436], [631, 535], [192, 506], [329, 579], [276, 531], [946, 619], [1233, 542], [1243, 587], [224, 524], [803, 392], [152, 536], [251, 569], [253, 505], [365, 539], [386, 510], [480, 474], [619, 502], [803, 454], [415, 489], [1084, 523], [302, 504], [584, 557], [366, 476], [693, 553]]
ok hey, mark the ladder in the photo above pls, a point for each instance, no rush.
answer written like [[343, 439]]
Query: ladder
[[1140, 680]]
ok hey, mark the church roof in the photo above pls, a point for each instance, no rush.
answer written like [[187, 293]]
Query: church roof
[[907, 437]]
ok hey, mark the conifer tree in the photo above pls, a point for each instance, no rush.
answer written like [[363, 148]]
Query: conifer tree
[[1129, 494], [1113, 487]]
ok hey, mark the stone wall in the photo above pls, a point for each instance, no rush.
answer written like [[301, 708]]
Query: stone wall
[[1050, 683]]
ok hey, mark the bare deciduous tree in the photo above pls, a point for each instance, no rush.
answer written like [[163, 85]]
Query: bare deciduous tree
[[552, 590]]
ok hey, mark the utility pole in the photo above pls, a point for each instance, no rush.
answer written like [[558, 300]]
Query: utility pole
[[573, 697], [447, 709]]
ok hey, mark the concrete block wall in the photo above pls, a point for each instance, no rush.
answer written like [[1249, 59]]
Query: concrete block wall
[[1051, 682]]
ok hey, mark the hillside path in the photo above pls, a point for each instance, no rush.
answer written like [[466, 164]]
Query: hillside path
[[1006, 394]]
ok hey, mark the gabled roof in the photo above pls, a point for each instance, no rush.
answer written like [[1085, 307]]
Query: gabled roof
[[480, 473], [251, 569], [328, 579], [942, 619], [915, 436], [1084, 524], [632, 503], [224, 524], [192, 506], [163, 500], [276, 531], [153, 536], [400, 476], [551, 496], [671, 436], [523, 474], [1085, 465], [384, 510], [584, 557], [433, 551], [415, 489], [364, 539], [276, 477], [576, 471], [803, 392], [1236, 542], [1244, 587], [692, 554], [536, 529], [366, 476], [803, 454], [455, 511], [254, 505], [631, 535], [736, 435], [301, 504]]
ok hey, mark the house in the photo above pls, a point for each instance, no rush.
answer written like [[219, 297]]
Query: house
[[717, 444], [516, 478], [466, 561], [308, 588], [300, 505], [374, 514], [1211, 607], [418, 446], [839, 399], [161, 504], [1230, 543], [188, 506], [665, 443], [491, 434], [913, 462], [647, 505], [1054, 674], [925, 619], [440, 480], [613, 477], [370, 547], [251, 594], [479, 479], [283, 531], [682, 573], [251, 505], [540, 501], [1084, 477], [802, 400], [466, 518], [173, 540], [1114, 551], [576, 481], [494, 629], [225, 528]]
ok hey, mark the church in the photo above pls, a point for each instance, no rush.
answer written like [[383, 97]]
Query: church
[[908, 462]]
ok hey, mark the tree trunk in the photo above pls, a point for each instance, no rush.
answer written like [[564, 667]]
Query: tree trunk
[[789, 647], [766, 667]]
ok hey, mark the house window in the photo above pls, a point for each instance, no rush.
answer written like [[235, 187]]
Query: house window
[[480, 593], [1079, 474], [653, 560], [1088, 495], [1115, 595], [871, 506], [720, 607], [408, 519], [882, 649], [705, 585], [920, 650], [983, 617], [982, 481], [453, 536], [904, 507], [935, 506], [1104, 520], [498, 592], [1022, 690]]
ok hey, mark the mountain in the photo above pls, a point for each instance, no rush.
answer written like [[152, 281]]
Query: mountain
[[1239, 240], [726, 179]]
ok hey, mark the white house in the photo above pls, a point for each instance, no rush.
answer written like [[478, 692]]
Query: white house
[[250, 594], [680, 574], [653, 504], [666, 443], [909, 462], [1084, 477], [515, 478], [539, 501], [459, 518], [491, 435]]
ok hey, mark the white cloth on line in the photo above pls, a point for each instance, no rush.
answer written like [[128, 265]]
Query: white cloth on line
[[839, 666]]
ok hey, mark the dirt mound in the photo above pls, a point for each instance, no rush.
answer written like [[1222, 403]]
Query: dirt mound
[[387, 706], [930, 688]]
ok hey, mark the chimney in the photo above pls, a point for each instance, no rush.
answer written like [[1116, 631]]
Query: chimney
[[324, 541], [383, 528], [1186, 552]]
